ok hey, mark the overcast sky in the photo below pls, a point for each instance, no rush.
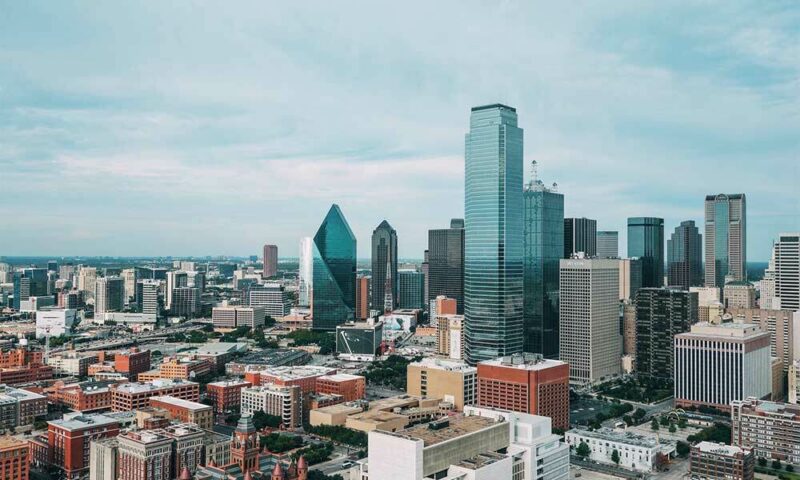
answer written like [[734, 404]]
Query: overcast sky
[[137, 128]]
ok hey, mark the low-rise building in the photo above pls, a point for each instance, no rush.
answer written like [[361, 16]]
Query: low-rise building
[[14, 459], [69, 441], [636, 452], [350, 387], [134, 395], [451, 380], [55, 322], [770, 429], [72, 363], [303, 376], [144, 455], [103, 456], [185, 410], [280, 401], [19, 407], [359, 341], [712, 461], [185, 368], [226, 395], [132, 362]]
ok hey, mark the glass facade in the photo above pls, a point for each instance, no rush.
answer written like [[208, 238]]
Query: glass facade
[[544, 245], [646, 242], [685, 257], [725, 242], [29, 282], [334, 272], [412, 289], [446, 263], [493, 293], [384, 252]]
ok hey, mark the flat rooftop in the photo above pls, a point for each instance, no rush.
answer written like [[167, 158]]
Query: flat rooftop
[[719, 448], [481, 460], [524, 362], [7, 442], [458, 427], [340, 408], [727, 330], [297, 372], [230, 383], [340, 377], [624, 437], [178, 402], [444, 364], [161, 383], [78, 422]]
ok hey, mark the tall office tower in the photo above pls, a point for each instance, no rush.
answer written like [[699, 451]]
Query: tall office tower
[[87, 276], [334, 272], [544, 246], [661, 313], [493, 237], [630, 278], [305, 273], [580, 235], [129, 277], [685, 257], [446, 263], [412, 289], [768, 298], [147, 296], [787, 270], [726, 238], [384, 266], [608, 244], [589, 337], [185, 301], [717, 364], [174, 280], [270, 261], [646, 242], [362, 296], [109, 294], [29, 282], [425, 269], [52, 266]]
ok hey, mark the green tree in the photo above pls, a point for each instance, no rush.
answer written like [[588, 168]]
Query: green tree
[[615, 456], [664, 421], [776, 464], [639, 414], [682, 448], [762, 462], [654, 425], [262, 419], [682, 423], [583, 450], [789, 468], [672, 428]]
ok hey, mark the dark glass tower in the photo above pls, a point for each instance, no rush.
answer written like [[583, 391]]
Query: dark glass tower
[[446, 263], [646, 242], [493, 238], [334, 296], [726, 239], [544, 246], [384, 254], [661, 313], [685, 257], [29, 282], [580, 235]]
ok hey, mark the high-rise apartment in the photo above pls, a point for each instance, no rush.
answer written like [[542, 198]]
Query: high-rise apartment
[[580, 235], [334, 272], [411, 289], [608, 244], [446, 263], [646, 242], [661, 313], [787, 270], [685, 256], [726, 239], [544, 247], [109, 294], [129, 277], [305, 272], [185, 301], [493, 257], [589, 337], [384, 268], [270, 256]]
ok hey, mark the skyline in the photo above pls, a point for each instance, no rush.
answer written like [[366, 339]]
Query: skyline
[[189, 134]]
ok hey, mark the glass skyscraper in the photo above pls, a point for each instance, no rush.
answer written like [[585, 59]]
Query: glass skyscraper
[[334, 272], [29, 282], [544, 246], [384, 252], [412, 289], [580, 235], [685, 257], [726, 239], [646, 242], [446, 263], [493, 276]]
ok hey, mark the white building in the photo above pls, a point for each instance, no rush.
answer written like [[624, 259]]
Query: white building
[[794, 382], [636, 452], [306, 271], [284, 402], [398, 322], [716, 364], [234, 316], [139, 321], [87, 277], [147, 296], [787, 270], [589, 337], [34, 304], [272, 297], [129, 278], [707, 297], [55, 322]]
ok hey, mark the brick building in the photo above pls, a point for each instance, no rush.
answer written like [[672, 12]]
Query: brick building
[[132, 362], [25, 374], [144, 455], [83, 397], [712, 461], [14, 459], [526, 383], [304, 376], [130, 396], [351, 387], [185, 410], [226, 395], [69, 441], [186, 368]]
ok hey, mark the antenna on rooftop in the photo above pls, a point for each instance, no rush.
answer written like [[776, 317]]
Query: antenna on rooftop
[[534, 172]]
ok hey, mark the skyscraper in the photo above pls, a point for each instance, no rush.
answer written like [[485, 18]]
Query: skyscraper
[[646, 242], [174, 280], [786, 253], [446, 263], [334, 272], [661, 313], [544, 246], [685, 256], [580, 235], [411, 289], [493, 237], [147, 296], [270, 261], [726, 238], [384, 266], [29, 282], [608, 244], [109, 294], [306, 269], [589, 336]]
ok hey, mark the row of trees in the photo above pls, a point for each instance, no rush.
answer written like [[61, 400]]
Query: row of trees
[[390, 373], [339, 434]]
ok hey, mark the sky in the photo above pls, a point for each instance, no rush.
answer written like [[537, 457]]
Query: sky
[[211, 128]]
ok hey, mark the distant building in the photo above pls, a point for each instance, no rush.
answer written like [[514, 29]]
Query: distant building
[[725, 239], [636, 452], [349, 387], [646, 242], [712, 461], [132, 362], [783, 326], [580, 235], [739, 295], [707, 298], [280, 401], [135, 395], [608, 244], [236, 316], [359, 341], [661, 313], [787, 273], [385, 285], [450, 336], [55, 322], [363, 289], [630, 278], [453, 381], [334, 272], [411, 289], [770, 429], [305, 272], [226, 395], [185, 411], [270, 257], [27, 283], [794, 382], [446, 263], [272, 297], [147, 296], [109, 294], [185, 301], [685, 256]]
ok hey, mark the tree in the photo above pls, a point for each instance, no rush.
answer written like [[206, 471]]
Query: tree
[[628, 420], [672, 428], [664, 421], [762, 462], [776, 464], [615, 456], [639, 414], [683, 449], [682, 423], [583, 450], [654, 425], [262, 419], [789, 468]]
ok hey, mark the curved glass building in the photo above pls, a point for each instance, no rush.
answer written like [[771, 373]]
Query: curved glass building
[[493, 236], [334, 272]]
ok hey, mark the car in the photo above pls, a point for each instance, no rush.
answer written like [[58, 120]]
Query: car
[[347, 464]]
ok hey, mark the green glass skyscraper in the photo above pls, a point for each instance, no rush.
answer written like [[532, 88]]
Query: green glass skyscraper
[[334, 272], [493, 274], [646, 242], [544, 246]]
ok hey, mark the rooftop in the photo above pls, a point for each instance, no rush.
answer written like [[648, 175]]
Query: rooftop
[[181, 403], [525, 361], [158, 384], [719, 448], [456, 426], [144, 436], [624, 437], [787, 410], [80, 421], [229, 383], [297, 372], [493, 106], [481, 460], [725, 329], [445, 364], [8, 442], [340, 377]]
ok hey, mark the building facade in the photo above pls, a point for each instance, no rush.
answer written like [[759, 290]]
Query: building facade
[[787, 270], [270, 256], [411, 289], [685, 256], [580, 236], [334, 272], [446, 263], [384, 268], [453, 381], [712, 461], [726, 239], [770, 429], [661, 313], [70, 440], [646, 242], [280, 401], [608, 244]]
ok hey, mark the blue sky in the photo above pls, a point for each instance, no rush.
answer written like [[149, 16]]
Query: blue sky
[[193, 128]]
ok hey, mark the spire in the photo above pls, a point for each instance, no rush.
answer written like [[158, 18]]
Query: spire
[[388, 300], [185, 474], [301, 463], [277, 472]]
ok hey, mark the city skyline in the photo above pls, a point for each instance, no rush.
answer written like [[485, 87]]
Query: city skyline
[[103, 125]]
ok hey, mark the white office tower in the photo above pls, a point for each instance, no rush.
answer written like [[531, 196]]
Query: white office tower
[[87, 278], [306, 274], [109, 294], [147, 296], [129, 277], [481, 444], [589, 338], [786, 253], [174, 280]]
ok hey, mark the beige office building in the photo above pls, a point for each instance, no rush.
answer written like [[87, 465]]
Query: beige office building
[[739, 295], [782, 325], [453, 381]]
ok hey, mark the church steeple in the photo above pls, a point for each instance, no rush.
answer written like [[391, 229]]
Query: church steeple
[[244, 447]]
